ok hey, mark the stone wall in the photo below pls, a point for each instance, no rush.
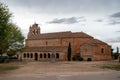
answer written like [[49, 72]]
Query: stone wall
[[97, 52], [43, 42], [81, 44], [102, 52], [75, 43]]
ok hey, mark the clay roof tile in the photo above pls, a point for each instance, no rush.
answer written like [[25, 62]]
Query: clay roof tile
[[67, 34]]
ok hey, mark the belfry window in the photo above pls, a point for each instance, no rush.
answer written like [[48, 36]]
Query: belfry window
[[37, 31], [33, 31]]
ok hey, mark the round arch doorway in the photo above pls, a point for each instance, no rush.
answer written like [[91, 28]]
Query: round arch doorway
[[36, 56]]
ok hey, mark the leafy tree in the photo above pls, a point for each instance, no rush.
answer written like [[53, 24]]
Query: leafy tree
[[69, 52], [4, 20], [77, 58], [116, 54], [112, 52], [11, 37], [10, 53], [117, 50], [15, 37]]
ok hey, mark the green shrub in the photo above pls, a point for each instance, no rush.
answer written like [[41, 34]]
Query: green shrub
[[77, 58], [89, 59], [2, 60], [13, 57], [80, 58]]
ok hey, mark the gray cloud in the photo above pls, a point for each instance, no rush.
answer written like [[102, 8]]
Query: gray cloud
[[64, 6], [70, 20], [114, 22], [117, 31], [114, 40], [114, 18], [115, 15], [98, 20]]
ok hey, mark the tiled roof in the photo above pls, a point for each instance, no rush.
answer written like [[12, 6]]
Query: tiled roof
[[99, 41], [46, 49], [95, 42], [67, 34]]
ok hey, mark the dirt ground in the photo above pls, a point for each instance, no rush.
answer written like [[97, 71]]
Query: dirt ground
[[61, 71]]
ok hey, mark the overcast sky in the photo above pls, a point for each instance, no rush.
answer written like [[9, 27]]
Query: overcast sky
[[98, 18]]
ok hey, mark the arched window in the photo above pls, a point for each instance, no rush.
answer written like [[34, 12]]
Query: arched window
[[24, 55], [31, 55], [102, 50], [27, 55], [44, 55], [40, 55], [57, 55], [36, 56], [48, 55]]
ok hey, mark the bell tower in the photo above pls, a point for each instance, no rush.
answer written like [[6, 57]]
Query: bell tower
[[34, 30]]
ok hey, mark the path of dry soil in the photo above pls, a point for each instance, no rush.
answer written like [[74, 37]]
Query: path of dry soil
[[61, 71]]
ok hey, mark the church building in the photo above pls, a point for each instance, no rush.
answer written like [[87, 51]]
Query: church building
[[46, 46]]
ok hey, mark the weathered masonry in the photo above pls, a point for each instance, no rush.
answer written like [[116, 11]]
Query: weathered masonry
[[47, 46]]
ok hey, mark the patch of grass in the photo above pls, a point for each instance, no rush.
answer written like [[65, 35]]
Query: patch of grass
[[113, 67], [5, 68]]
